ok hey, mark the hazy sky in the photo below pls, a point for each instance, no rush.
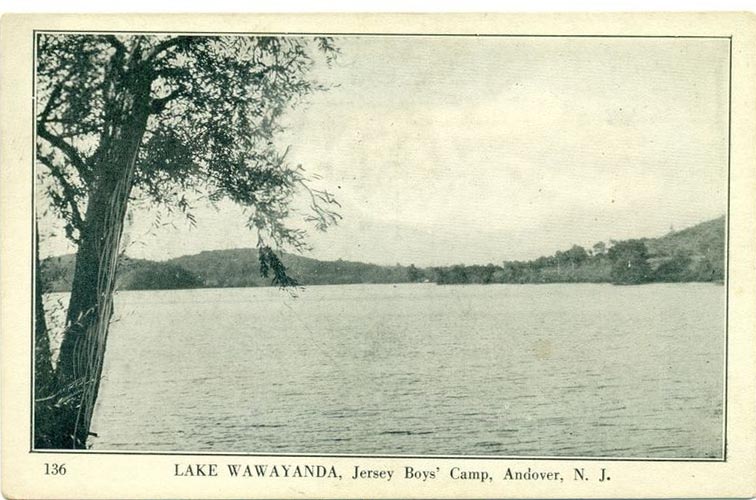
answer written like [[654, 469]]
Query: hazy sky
[[477, 150]]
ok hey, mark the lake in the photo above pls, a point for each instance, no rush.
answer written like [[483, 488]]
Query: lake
[[572, 370]]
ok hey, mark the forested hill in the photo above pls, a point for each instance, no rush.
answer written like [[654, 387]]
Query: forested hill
[[241, 267], [223, 269], [692, 254], [704, 239]]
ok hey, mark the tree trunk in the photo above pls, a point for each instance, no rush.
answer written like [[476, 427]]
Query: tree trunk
[[90, 308]]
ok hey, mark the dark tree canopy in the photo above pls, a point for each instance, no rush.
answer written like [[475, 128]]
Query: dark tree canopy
[[214, 105], [154, 118], [630, 262]]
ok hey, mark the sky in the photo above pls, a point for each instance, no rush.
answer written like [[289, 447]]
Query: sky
[[446, 150]]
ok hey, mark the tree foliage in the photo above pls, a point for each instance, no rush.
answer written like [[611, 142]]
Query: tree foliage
[[630, 262], [155, 118], [214, 106]]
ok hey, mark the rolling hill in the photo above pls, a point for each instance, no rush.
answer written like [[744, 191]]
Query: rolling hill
[[692, 254]]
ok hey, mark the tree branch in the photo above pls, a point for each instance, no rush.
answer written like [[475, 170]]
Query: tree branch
[[65, 147], [175, 72], [119, 57], [164, 46], [117, 45], [54, 94], [69, 192], [159, 104]]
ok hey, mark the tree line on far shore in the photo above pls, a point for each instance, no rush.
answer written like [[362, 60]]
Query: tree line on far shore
[[625, 263], [694, 254]]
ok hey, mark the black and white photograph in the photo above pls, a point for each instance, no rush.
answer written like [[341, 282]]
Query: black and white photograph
[[345, 259], [381, 244]]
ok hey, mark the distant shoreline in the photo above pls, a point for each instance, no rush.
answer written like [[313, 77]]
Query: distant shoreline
[[695, 254], [394, 285]]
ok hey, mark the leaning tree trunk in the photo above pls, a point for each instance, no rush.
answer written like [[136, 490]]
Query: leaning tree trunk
[[90, 308]]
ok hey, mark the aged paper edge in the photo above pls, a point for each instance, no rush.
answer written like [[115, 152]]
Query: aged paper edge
[[117, 475]]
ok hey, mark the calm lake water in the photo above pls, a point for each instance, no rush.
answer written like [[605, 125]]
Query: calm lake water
[[547, 370]]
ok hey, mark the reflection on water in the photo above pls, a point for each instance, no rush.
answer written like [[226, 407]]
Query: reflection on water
[[549, 370]]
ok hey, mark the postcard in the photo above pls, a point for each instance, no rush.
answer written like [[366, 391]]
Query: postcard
[[378, 256]]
